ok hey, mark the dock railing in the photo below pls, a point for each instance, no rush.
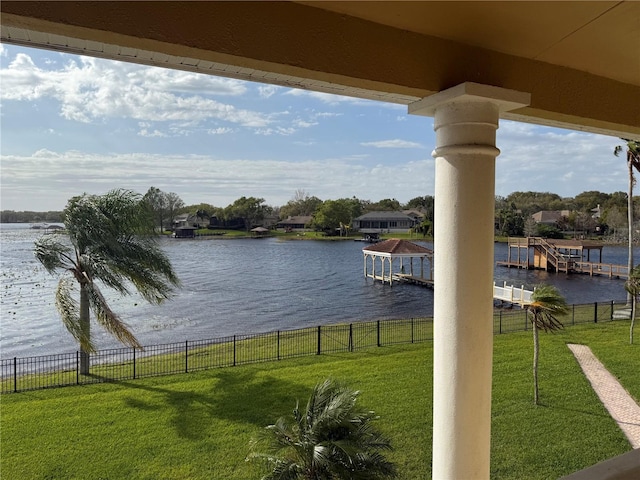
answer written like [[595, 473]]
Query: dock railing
[[606, 269], [511, 294]]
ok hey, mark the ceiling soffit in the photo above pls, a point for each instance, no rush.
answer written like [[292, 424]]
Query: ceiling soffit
[[306, 47]]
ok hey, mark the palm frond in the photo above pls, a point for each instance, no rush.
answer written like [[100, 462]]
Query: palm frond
[[108, 318], [53, 254], [547, 304], [70, 313], [632, 285]]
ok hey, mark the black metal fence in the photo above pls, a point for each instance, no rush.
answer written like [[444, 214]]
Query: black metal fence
[[32, 373]]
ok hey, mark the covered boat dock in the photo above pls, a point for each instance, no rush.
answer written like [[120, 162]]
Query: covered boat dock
[[395, 258]]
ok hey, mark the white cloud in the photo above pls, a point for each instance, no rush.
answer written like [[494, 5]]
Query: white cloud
[[90, 89], [558, 161], [397, 143], [148, 133], [57, 176], [267, 91], [298, 122], [220, 131], [275, 131]]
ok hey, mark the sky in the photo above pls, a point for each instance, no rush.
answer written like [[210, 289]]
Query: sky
[[71, 125]]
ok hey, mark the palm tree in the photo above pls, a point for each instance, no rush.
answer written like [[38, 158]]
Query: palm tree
[[331, 439], [547, 304], [633, 161], [632, 286], [110, 240]]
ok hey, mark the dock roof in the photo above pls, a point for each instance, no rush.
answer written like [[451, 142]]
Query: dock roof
[[398, 247]]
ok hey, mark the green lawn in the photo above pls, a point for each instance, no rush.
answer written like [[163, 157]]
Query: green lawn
[[198, 425]]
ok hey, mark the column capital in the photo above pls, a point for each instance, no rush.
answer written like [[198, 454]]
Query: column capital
[[468, 92]]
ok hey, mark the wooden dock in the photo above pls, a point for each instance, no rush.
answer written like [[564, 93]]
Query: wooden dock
[[407, 278], [513, 295], [505, 293], [566, 256]]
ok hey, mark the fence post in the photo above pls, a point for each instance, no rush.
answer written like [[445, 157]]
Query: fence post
[[77, 367], [595, 312], [15, 374], [134, 363], [351, 337], [234, 350], [411, 329], [278, 346], [611, 317], [319, 332], [378, 329], [500, 327], [573, 314], [186, 356]]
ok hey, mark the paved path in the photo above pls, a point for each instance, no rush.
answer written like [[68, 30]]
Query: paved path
[[622, 407]]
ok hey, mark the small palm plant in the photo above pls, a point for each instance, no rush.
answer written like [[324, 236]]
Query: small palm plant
[[632, 286], [547, 304], [331, 439]]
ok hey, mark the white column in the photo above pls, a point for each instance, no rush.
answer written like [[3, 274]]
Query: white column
[[466, 119]]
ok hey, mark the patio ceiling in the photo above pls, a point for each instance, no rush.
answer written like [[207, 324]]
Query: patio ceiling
[[580, 60]]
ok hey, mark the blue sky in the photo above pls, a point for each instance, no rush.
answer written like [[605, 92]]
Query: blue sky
[[72, 124]]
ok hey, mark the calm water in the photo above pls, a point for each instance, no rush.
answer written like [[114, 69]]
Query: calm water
[[242, 286]]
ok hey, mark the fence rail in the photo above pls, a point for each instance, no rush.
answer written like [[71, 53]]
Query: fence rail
[[33, 373]]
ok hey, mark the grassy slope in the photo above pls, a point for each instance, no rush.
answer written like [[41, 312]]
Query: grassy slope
[[199, 425]]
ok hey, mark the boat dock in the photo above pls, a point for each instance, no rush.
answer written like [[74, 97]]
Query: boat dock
[[407, 278], [568, 256]]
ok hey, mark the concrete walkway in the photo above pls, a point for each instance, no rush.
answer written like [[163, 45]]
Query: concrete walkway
[[621, 406]]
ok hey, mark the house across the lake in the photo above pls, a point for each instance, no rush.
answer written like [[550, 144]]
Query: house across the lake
[[298, 223], [384, 222]]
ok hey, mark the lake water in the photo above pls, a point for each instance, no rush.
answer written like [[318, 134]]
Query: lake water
[[243, 286]]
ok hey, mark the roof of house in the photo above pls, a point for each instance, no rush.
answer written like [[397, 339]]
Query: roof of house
[[549, 216], [384, 215], [296, 220], [414, 212], [397, 246]]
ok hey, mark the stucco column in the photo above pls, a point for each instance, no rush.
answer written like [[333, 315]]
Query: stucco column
[[465, 121]]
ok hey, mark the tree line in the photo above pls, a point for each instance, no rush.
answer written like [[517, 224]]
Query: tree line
[[586, 212]]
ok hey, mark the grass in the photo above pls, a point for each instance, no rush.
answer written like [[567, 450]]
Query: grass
[[199, 425]]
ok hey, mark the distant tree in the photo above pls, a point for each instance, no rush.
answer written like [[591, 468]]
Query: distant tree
[[531, 202], [332, 213], [633, 162], [331, 439], [419, 202], [156, 202], [192, 209], [617, 199], [530, 227], [250, 209], [111, 241], [509, 221], [302, 204], [425, 204], [547, 304], [174, 203], [586, 201], [548, 231], [386, 204], [164, 206], [616, 219]]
